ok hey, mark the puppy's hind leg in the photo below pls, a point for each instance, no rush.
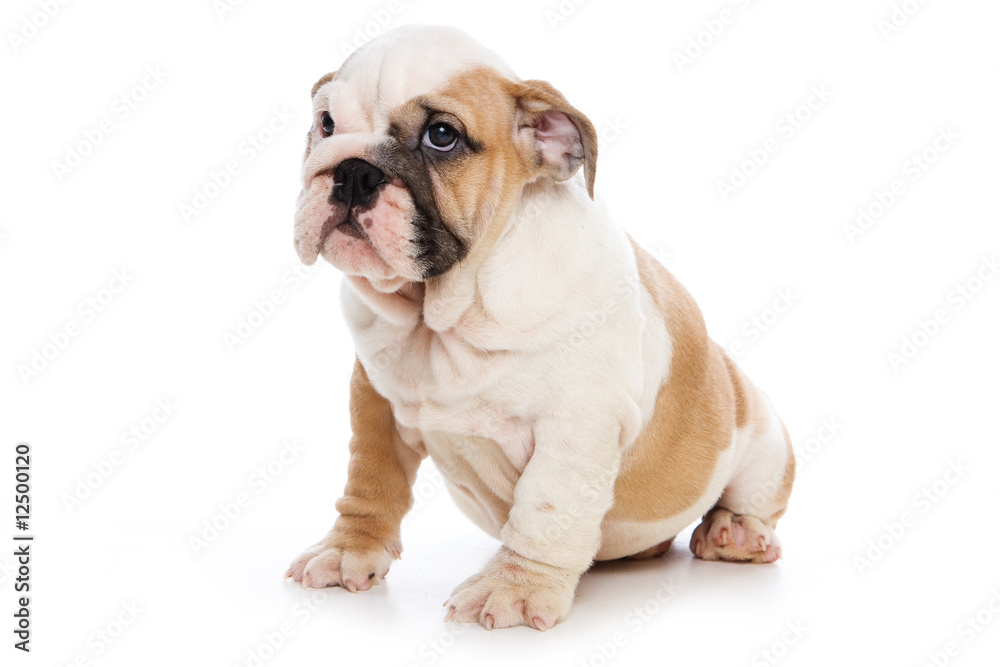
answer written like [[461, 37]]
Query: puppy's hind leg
[[740, 528]]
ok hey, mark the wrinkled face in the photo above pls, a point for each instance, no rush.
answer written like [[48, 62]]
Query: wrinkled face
[[419, 148]]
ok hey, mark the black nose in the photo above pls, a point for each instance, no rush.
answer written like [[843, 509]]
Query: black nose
[[355, 182]]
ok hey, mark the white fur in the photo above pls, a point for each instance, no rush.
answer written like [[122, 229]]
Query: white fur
[[761, 470]]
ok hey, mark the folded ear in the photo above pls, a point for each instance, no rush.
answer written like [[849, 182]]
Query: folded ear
[[319, 84], [558, 138]]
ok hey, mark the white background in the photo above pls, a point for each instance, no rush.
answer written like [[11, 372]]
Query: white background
[[673, 132]]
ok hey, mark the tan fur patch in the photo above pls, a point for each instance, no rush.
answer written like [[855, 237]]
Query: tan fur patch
[[751, 409], [741, 394], [482, 184], [671, 463], [323, 80], [380, 474]]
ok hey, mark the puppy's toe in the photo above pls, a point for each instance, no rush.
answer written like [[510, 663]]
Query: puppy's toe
[[510, 592], [323, 570], [504, 608], [721, 529], [653, 551], [495, 603], [298, 566], [321, 567], [467, 601], [362, 571]]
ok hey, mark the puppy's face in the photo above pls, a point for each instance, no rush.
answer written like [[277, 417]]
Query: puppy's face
[[419, 148]]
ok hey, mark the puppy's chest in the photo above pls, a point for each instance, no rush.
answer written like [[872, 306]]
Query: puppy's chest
[[439, 383]]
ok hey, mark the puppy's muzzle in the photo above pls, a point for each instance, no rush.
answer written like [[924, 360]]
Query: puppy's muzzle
[[356, 183]]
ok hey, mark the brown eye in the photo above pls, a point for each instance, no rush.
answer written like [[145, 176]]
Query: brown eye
[[326, 125], [441, 137]]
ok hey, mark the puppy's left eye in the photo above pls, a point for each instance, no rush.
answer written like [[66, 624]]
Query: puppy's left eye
[[441, 137], [327, 124]]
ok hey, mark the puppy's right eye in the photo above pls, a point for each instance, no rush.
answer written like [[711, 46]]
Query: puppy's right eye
[[326, 125], [441, 137]]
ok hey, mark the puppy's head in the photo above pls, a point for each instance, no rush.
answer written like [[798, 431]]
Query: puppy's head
[[419, 148]]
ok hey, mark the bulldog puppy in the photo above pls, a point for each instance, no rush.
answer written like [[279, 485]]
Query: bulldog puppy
[[560, 378]]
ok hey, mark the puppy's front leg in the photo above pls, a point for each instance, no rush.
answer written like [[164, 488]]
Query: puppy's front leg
[[553, 530], [357, 552]]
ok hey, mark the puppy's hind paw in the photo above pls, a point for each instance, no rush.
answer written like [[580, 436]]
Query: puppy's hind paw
[[737, 538]]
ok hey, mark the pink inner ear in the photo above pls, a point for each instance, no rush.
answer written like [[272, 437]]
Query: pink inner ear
[[555, 124], [559, 142]]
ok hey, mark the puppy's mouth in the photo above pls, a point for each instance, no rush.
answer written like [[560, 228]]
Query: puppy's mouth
[[349, 226]]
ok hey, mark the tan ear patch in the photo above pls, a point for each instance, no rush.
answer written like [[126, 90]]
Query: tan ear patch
[[564, 138], [326, 78]]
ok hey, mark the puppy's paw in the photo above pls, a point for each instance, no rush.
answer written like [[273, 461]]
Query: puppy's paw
[[653, 551], [321, 566], [739, 538], [513, 590]]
